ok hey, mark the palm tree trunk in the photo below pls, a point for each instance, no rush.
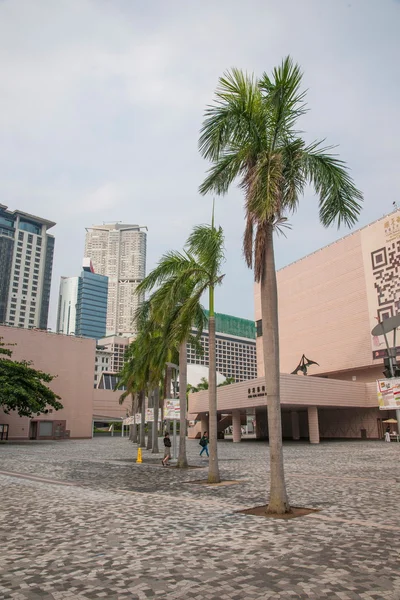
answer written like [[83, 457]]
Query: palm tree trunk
[[156, 404], [182, 458], [149, 436], [143, 416], [213, 470], [134, 427], [278, 500]]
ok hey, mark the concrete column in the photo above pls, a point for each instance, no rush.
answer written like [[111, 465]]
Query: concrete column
[[204, 423], [295, 425], [313, 426], [236, 426], [261, 423], [398, 421]]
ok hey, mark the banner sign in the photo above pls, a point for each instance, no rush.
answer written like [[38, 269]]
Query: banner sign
[[172, 409], [131, 420], [389, 393], [150, 415]]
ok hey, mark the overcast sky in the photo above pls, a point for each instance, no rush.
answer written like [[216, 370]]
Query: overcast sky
[[101, 102]]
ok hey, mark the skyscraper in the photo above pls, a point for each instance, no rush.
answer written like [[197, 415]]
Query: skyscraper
[[26, 263], [82, 304], [119, 251]]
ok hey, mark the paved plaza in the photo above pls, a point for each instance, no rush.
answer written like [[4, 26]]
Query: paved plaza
[[87, 522]]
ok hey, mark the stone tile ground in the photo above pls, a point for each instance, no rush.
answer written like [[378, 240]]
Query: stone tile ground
[[128, 531]]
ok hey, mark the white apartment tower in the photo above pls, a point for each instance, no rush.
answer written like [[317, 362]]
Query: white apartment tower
[[119, 251]]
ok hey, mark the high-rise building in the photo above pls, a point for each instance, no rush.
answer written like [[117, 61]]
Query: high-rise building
[[26, 263], [119, 252], [67, 299], [235, 348], [82, 304]]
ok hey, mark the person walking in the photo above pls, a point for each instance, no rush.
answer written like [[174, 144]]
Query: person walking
[[167, 450], [387, 434], [204, 443]]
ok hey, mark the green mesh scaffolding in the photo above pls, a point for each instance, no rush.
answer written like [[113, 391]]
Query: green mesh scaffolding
[[234, 325]]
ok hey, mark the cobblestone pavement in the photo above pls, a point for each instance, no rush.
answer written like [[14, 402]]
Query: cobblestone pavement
[[87, 522]]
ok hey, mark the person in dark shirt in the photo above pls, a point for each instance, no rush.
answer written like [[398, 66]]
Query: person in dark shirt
[[167, 450], [204, 443]]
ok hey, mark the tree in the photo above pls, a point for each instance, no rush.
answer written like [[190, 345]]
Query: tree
[[177, 305], [22, 388], [127, 381], [249, 132], [203, 385], [183, 278]]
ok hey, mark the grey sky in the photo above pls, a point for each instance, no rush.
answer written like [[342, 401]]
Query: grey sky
[[101, 102]]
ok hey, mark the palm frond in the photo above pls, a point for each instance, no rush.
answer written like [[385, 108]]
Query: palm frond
[[339, 200]]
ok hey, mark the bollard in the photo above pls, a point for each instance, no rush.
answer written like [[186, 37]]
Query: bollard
[[139, 455]]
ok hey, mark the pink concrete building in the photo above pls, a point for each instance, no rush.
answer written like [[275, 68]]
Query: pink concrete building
[[329, 302], [72, 360]]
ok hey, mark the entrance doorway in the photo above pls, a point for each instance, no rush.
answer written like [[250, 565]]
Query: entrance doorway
[[33, 429]]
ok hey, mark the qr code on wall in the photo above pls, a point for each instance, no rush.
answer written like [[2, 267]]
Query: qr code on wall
[[386, 271]]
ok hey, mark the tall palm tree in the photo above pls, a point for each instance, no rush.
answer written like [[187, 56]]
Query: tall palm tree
[[183, 278], [126, 381], [249, 132], [176, 303]]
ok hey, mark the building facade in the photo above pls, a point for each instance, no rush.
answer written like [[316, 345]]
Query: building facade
[[329, 302], [235, 348], [26, 263], [67, 299], [119, 252], [82, 304], [116, 346], [102, 363]]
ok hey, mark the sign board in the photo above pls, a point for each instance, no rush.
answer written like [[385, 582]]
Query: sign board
[[389, 393], [172, 409], [130, 420], [150, 415]]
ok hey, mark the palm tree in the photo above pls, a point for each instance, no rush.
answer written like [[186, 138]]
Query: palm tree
[[175, 303], [126, 381], [183, 278], [249, 132]]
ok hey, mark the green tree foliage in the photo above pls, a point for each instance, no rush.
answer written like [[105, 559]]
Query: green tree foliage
[[22, 388]]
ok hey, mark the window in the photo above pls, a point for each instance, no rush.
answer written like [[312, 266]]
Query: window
[[45, 428], [23, 302], [31, 322], [19, 255], [12, 312], [39, 241], [30, 227], [20, 235], [30, 239], [37, 254]]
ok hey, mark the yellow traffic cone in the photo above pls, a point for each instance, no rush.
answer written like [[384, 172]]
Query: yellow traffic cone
[[139, 455]]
